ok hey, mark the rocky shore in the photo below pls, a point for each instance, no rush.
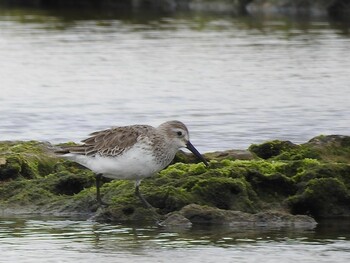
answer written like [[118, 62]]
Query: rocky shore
[[276, 183]]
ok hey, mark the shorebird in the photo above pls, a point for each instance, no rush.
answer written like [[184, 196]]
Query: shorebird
[[131, 152]]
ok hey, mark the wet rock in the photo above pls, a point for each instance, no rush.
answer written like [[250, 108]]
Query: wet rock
[[322, 197], [273, 185], [272, 148], [29, 159], [185, 157], [229, 155], [310, 178], [209, 215], [176, 220], [198, 214], [225, 193], [331, 148], [71, 184], [282, 219], [330, 141]]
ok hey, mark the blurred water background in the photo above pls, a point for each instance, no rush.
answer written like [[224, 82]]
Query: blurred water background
[[233, 80]]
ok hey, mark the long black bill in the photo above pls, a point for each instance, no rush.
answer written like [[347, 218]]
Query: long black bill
[[196, 153]]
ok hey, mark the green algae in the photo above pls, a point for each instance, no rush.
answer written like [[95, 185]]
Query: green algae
[[311, 178], [28, 159], [332, 148], [31, 175], [322, 197], [226, 193], [284, 150], [272, 148]]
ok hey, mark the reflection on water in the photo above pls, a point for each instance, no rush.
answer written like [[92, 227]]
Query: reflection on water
[[60, 240], [234, 81]]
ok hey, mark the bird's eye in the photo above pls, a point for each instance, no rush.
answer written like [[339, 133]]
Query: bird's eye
[[179, 133]]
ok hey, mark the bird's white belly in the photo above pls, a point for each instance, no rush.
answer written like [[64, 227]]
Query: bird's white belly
[[134, 164]]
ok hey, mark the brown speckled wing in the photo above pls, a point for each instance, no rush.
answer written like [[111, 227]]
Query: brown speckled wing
[[111, 142]]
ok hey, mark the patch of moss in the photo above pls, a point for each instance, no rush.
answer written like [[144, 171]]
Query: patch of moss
[[299, 153], [271, 149], [225, 193], [183, 157], [169, 198], [261, 166], [11, 169], [70, 184], [12, 188], [331, 148], [272, 185], [25, 159], [25, 192], [120, 192], [196, 169], [339, 171], [34, 195], [284, 150], [177, 170], [322, 197]]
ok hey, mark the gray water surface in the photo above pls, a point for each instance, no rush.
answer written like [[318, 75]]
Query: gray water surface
[[64, 240], [234, 81]]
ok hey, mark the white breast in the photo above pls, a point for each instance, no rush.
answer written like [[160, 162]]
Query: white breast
[[134, 164]]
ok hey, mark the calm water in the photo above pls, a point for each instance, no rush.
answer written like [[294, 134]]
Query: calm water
[[59, 240], [234, 81]]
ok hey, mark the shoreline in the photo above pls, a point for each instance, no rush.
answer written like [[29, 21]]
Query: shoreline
[[276, 183]]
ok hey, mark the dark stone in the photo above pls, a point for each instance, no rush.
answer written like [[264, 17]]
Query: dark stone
[[272, 148], [14, 167], [210, 215], [322, 197], [72, 184], [274, 184]]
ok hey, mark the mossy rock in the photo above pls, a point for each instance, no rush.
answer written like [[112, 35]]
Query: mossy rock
[[339, 171], [196, 214], [331, 148], [272, 186], [25, 192], [184, 157], [225, 193], [311, 178], [11, 168], [229, 155], [169, 198], [70, 184], [322, 197], [28, 159], [272, 148]]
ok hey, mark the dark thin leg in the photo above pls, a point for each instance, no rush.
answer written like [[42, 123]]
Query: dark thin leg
[[139, 195], [98, 194], [146, 204]]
